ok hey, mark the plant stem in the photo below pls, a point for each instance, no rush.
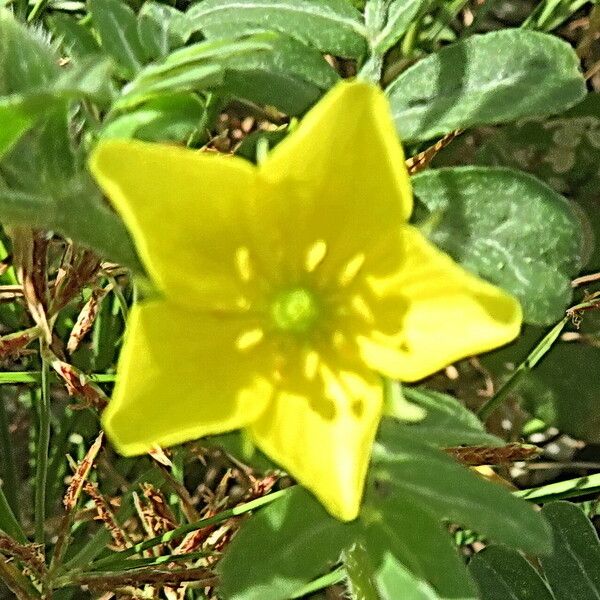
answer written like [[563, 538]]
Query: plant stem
[[321, 583], [8, 522], [139, 577], [9, 473], [12, 377], [20, 8], [513, 381], [575, 312], [572, 488], [154, 561], [43, 445], [16, 582], [37, 10]]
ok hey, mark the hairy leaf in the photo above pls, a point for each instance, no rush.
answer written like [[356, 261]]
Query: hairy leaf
[[447, 422], [161, 28], [409, 532], [405, 466], [509, 228], [491, 78], [400, 14], [572, 569], [172, 117], [76, 38], [503, 574], [116, 24], [332, 26], [282, 548], [289, 76]]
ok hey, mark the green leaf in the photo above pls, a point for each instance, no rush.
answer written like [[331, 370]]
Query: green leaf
[[448, 422], [8, 521], [330, 26], [266, 68], [116, 25], [394, 576], [165, 118], [565, 391], [26, 59], [289, 76], [79, 214], [282, 548], [45, 188], [15, 119], [509, 228], [503, 574], [25, 208], [19, 112], [549, 14], [161, 28], [359, 574], [191, 68], [34, 85], [89, 78], [563, 151], [248, 148], [43, 160], [572, 488], [492, 78], [26, 62], [400, 14], [194, 77], [409, 532], [75, 37], [404, 465], [572, 569], [375, 16]]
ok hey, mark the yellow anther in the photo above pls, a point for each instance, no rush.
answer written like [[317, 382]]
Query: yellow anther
[[359, 304], [243, 263], [315, 255], [311, 364], [351, 268], [249, 339], [338, 339]]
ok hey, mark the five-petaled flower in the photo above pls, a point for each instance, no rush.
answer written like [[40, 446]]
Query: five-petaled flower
[[288, 289]]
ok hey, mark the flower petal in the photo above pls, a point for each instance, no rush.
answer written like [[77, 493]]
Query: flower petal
[[184, 209], [450, 314], [181, 376], [321, 431], [340, 174]]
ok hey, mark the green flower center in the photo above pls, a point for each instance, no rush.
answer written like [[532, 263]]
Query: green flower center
[[295, 310]]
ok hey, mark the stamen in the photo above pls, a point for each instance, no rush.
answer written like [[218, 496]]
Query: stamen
[[249, 339], [311, 364], [242, 303], [359, 304], [350, 269], [315, 255], [243, 263], [338, 339]]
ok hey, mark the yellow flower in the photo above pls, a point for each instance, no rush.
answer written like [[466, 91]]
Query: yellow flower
[[287, 289]]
